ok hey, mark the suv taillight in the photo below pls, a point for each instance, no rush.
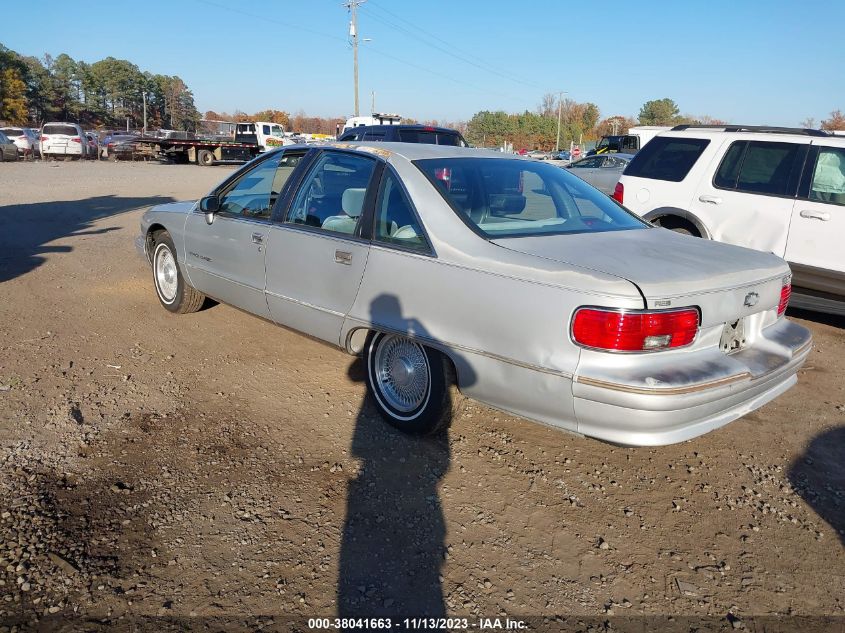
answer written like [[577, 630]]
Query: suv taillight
[[785, 292], [619, 192], [76, 139], [43, 138], [634, 330]]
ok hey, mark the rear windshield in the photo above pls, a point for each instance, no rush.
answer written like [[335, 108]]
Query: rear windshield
[[11, 132], [67, 130], [509, 197], [666, 158]]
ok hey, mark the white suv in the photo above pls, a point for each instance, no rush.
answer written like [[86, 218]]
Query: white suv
[[780, 190], [63, 139]]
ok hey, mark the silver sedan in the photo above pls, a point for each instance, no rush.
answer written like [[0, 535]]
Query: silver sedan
[[601, 171], [508, 279]]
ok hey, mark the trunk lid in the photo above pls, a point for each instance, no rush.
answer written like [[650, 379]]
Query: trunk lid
[[671, 270]]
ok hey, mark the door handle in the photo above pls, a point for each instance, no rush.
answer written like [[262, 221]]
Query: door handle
[[824, 216], [257, 238], [710, 199], [343, 257]]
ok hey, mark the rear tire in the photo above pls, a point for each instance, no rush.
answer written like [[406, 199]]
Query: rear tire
[[174, 292], [205, 158], [410, 384]]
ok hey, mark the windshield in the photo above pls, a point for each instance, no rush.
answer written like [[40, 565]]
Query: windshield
[[509, 197], [275, 130]]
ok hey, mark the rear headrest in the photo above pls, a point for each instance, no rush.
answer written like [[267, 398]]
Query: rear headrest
[[353, 201], [506, 203]]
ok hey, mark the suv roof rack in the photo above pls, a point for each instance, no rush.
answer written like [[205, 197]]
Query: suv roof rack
[[754, 128]]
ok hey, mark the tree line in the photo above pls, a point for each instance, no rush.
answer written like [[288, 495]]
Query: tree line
[[107, 93]]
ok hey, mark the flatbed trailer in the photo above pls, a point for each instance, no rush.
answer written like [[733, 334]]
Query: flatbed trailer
[[204, 152]]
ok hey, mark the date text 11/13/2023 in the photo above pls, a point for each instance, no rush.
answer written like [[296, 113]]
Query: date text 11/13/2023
[[417, 624]]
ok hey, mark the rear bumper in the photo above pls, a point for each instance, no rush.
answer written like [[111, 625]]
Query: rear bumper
[[683, 395]]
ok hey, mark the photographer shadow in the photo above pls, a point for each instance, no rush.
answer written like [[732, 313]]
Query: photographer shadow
[[393, 544]]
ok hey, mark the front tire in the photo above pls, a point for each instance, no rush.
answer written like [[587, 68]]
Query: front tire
[[174, 293], [409, 383]]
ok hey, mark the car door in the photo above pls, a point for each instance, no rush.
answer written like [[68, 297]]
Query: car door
[[814, 246], [225, 259], [749, 199], [317, 255]]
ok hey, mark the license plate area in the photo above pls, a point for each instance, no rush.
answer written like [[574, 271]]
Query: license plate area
[[733, 337]]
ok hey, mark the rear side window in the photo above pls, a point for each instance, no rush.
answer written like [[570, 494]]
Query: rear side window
[[374, 135], [667, 158], [760, 167], [418, 136], [396, 223], [828, 183], [67, 130], [444, 138]]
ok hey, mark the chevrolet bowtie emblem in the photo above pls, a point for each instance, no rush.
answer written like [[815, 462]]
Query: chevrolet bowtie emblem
[[751, 299]]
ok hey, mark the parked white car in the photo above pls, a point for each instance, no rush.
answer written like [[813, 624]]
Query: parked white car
[[23, 138], [63, 140], [779, 190]]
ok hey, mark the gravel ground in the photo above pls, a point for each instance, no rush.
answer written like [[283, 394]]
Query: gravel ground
[[215, 471]]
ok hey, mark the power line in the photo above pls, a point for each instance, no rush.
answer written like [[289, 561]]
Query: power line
[[455, 52]]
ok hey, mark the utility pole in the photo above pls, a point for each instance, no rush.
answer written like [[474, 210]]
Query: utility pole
[[144, 95], [353, 5], [373, 103], [559, 107]]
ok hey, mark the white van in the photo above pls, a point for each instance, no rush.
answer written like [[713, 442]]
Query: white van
[[63, 139]]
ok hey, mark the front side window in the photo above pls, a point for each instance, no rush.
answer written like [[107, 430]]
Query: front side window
[[828, 183], [508, 197], [265, 129], [760, 167], [395, 222], [667, 158], [332, 194], [254, 194]]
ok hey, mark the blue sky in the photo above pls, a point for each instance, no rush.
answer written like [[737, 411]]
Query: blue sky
[[774, 62]]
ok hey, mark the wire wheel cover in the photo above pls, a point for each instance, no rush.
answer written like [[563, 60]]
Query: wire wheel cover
[[401, 373], [167, 279]]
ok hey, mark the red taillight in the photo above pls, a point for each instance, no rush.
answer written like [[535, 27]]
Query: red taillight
[[619, 193], [43, 138], [785, 292], [76, 139], [634, 331]]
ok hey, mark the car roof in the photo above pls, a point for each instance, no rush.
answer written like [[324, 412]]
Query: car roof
[[416, 151], [403, 126], [750, 133]]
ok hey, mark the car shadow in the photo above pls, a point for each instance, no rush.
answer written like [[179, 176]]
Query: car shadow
[[834, 320], [393, 543], [27, 230], [818, 476]]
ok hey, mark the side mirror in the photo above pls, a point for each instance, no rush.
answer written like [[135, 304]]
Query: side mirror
[[209, 205]]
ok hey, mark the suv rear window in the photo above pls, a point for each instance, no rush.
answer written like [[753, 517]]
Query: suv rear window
[[667, 158], [12, 132], [760, 167], [67, 130]]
